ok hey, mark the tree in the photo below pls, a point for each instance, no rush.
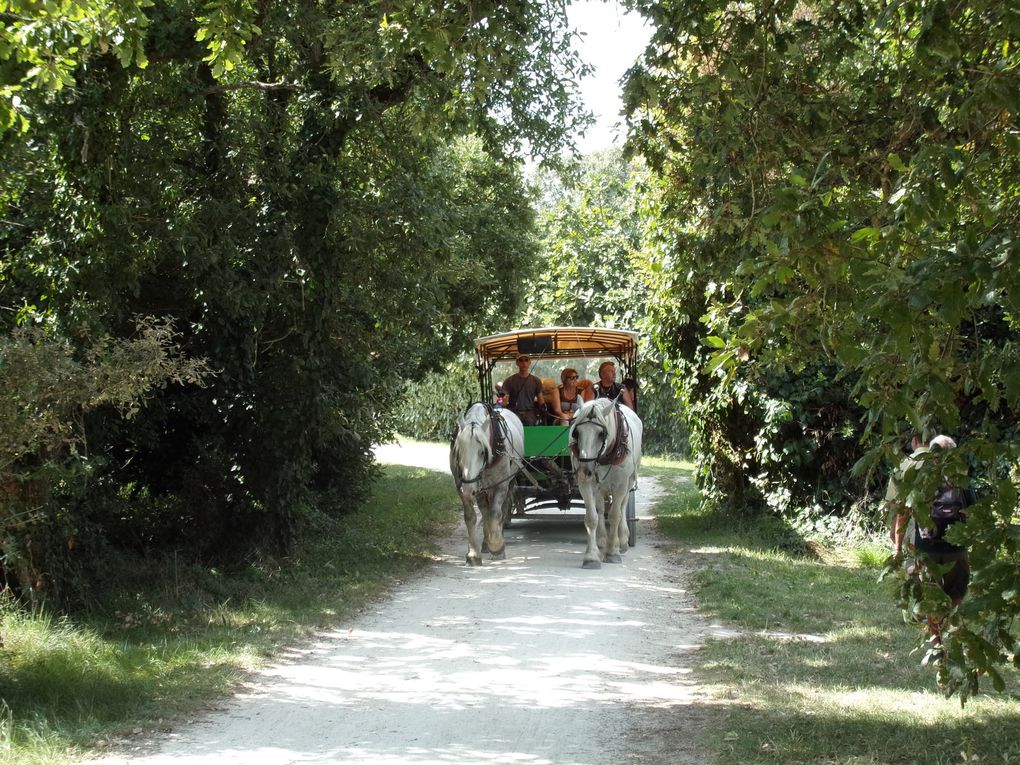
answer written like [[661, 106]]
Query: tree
[[42, 44], [590, 272], [593, 269], [46, 391], [285, 182], [838, 204]]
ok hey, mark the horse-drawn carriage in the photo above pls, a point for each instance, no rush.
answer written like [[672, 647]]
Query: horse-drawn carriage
[[548, 482]]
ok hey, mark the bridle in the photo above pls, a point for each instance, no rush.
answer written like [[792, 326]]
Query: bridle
[[590, 421], [494, 444], [611, 455], [490, 458]]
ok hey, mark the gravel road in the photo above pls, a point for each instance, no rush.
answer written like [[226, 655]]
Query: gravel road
[[530, 660]]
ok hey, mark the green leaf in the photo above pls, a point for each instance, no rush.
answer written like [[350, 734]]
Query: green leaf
[[896, 163], [1011, 385], [868, 233]]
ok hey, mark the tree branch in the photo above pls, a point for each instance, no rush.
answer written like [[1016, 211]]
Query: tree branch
[[254, 84]]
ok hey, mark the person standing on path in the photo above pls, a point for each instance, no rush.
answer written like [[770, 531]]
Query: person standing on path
[[926, 542]]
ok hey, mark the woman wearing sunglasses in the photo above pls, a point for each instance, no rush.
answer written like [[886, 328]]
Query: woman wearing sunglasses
[[568, 397]]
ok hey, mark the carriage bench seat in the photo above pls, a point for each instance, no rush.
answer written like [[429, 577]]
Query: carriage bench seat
[[546, 441]]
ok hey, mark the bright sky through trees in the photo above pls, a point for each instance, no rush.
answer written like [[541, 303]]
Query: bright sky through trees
[[612, 40]]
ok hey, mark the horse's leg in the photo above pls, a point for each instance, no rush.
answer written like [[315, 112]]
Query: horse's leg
[[602, 500], [624, 529], [631, 485], [619, 498], [493, 518], [592, 522], [473, 523], [483, 509]]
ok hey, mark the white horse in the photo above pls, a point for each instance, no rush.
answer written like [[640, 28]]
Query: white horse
[[485, 455], [605, 450]]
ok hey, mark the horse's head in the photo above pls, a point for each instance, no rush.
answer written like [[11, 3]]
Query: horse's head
[[472, 453], [592, 432]]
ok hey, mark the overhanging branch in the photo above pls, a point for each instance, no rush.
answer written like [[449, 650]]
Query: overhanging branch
[[252, 84]]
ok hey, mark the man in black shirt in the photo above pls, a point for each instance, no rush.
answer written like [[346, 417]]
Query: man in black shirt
[[525, 391], [607, 387]]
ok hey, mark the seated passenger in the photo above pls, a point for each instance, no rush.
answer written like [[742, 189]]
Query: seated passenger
[[607, 387], [568, 397], [525, 392]]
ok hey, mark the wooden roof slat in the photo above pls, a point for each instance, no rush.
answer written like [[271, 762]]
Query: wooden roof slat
[[550, 342]]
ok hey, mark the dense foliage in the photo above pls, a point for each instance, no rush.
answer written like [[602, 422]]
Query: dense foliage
[[428, 408], [588, 271], [837, 215], [593, 272], [295, 188], [47, 389]]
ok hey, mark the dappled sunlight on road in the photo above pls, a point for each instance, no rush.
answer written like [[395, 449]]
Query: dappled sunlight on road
[[527, 660]]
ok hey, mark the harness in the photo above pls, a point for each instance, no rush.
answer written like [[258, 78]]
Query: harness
[[617, 451]]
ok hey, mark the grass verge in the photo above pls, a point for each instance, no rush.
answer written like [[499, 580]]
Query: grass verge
[[183, 635], [818, 668]]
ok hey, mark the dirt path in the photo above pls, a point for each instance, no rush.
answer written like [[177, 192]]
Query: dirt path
[[530, 660]]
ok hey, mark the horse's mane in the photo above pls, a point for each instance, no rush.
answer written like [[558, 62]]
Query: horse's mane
[[479, 434], [477, 412], [603, 408]]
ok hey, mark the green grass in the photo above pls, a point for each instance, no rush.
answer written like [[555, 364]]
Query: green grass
[[185, 635], [821, 668], [820, 672], [666, 467]]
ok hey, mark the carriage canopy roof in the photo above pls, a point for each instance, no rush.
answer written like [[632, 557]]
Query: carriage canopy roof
[[551, 342]]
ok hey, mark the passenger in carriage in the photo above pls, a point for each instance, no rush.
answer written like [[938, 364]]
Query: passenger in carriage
[[607, 387], [568, 397], [525, 392]]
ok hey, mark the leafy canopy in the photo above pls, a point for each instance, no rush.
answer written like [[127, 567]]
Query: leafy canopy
[[837, 211], [319, 197]]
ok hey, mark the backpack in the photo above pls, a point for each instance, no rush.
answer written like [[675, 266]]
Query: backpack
[[946, 510]]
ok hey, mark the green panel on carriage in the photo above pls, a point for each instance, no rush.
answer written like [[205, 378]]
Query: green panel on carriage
[[546, 441]]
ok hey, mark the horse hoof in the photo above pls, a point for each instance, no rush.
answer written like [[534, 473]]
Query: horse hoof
[[501, 555], [591, 564], [614, 558], [472, 561]]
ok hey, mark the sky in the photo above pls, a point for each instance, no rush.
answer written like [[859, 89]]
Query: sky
[[613, 40]]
